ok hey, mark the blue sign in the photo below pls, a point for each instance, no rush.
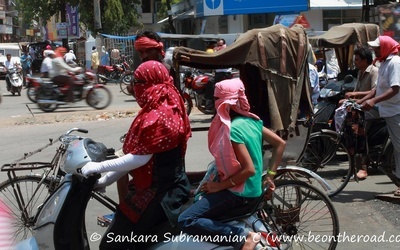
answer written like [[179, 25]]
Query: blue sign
[[238, 7]]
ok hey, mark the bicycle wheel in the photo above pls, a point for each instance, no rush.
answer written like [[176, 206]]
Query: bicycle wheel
[[330, 159], [123, 85], [31, 194], [304, 214]]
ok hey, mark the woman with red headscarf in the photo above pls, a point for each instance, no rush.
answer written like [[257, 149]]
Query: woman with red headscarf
[[154, 149], [235, 140]]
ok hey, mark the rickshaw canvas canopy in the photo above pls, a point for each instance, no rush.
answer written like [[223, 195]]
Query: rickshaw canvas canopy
[[346, 34], [273, 66]]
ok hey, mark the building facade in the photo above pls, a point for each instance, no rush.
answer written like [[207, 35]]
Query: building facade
[[322, 15]]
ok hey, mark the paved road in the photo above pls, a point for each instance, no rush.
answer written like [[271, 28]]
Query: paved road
[[361, 215]]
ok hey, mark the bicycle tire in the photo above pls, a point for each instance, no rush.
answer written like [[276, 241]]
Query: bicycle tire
[[23, 225], [329, 158], [123, 85], [304, 212]]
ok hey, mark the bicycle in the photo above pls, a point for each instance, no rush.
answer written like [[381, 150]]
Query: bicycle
[[333, 155], [25, 194]]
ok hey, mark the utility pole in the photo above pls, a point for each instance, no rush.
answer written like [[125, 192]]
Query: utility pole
[[63, 13]]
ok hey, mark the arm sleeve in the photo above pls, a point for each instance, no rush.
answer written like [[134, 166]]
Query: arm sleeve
[[122, 164]]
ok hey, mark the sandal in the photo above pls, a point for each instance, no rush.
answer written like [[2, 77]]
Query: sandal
[[397, 192]]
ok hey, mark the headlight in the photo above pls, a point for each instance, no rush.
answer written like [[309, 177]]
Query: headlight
[[323, 92], [332, 93]]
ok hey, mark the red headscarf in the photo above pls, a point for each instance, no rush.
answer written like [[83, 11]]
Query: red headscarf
[[162, 123], [388, 46], [144, 43], [230, 94]]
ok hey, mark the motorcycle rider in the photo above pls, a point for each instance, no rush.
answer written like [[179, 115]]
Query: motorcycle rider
[[9, 64], [59, 74], [70, 58], [47, 64], [154, 149]]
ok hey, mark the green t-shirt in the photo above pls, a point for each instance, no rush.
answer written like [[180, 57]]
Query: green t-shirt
[[248, 131]]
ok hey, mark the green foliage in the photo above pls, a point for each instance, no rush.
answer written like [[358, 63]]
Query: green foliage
[[117, 16]]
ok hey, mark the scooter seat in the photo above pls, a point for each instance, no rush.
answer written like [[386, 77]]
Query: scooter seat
[[245, 210]]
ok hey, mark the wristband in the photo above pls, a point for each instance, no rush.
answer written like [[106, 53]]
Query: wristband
[[232, 182], [270, 172]]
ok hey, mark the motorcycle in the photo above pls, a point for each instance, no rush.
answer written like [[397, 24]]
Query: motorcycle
[[15, 78], [112, 73], [194, 85], [32, 85], [329, 98], [50, 95], [60, 220]]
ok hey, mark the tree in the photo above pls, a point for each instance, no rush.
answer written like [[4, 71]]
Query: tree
[[118, 16], [164, 12]]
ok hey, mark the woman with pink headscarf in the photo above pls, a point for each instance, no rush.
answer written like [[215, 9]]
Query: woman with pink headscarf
[[235, 140]]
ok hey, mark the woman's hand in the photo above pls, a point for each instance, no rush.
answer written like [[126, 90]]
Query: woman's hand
[[269, 181], [211, 187]]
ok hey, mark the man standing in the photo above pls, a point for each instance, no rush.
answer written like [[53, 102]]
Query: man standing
[[95, 59], [386, 94], [26, 61], [367, 74], [366, 80]]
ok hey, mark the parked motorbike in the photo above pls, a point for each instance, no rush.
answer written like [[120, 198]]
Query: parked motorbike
[[329, 97], [49, 95], [194, 86], [15, 78], [112, 73]]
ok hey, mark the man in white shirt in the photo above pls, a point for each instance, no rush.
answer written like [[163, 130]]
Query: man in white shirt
[[47, 64], [9, 64], [70, 58]]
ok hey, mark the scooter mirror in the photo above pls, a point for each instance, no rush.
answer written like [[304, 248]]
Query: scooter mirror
[[348, 79]]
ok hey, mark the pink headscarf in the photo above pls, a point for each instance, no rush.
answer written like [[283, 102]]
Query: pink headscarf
[[231, 95]]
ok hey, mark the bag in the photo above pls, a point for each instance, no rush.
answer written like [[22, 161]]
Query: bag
[[210, 176]]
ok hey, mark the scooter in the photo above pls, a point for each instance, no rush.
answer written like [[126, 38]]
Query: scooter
[[60, 222], [329, 97], [15, 78]]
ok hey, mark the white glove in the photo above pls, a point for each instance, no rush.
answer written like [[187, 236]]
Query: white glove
[[91, 168], [108, 179]]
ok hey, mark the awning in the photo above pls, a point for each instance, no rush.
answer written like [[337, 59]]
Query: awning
[[119, 37], [335, 4]]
